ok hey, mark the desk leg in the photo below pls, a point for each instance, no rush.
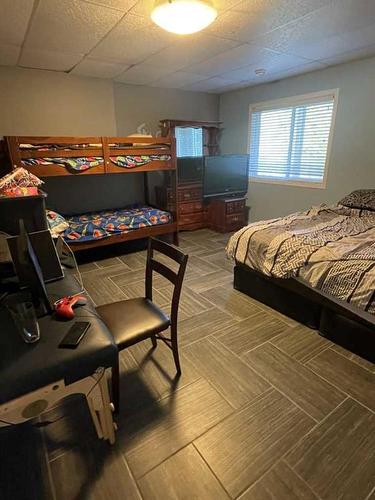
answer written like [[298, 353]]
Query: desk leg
[[108, 423], [94, 417]]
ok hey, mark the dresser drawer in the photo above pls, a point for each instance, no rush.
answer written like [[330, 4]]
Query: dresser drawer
[[233, 222], [191, 218], [191, 207], [189, 194], [235, 207]]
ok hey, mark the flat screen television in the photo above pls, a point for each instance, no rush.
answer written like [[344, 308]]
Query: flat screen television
[[225, 175], [190, 169]]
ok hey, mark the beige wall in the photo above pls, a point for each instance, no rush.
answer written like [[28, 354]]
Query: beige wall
[[352, 162], [138, 104], [34, 102]]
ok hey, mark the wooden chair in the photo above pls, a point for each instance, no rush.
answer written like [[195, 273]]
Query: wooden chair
[[131, 321]]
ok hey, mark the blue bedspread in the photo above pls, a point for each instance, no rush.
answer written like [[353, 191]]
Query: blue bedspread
[[98, 225]]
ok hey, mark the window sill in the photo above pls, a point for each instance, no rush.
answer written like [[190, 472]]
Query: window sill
[[282, 182]]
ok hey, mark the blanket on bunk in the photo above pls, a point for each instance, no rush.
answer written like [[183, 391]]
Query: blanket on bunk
[[330, 247], [130, 161], [98, 225], [76, 164]]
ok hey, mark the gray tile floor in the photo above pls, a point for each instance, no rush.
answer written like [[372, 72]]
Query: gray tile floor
[[265, 408]]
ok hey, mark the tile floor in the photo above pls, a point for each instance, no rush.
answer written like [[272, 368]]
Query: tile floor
[[265, 408]]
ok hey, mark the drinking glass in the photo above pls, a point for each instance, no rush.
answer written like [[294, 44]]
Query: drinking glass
[[24, 317]]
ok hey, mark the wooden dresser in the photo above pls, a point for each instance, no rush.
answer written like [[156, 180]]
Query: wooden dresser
[[190, 204], [190, 207], [227, 214]]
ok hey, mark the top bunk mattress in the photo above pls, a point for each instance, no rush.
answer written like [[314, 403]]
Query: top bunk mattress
[[97, 225], [332, 248]]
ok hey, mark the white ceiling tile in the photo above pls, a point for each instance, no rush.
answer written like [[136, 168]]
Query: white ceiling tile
[[351, 55], [133, 39], [230, 87], [238, 57], [331, 21], [123, 5], [9, 55], [271, 62], [280, 12], [229, 24], [287, 73], [261, 16], [141, 74], [327, 47], [177, 80], [208, 84], [47, 59], [186, 51], [226, 4], [98, 69], [143, 8], [360, 38], [70, 26], [14, 19]]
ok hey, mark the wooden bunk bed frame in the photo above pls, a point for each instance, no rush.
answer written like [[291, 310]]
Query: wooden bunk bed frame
[[104, 147]]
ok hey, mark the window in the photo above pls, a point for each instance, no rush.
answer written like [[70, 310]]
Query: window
[[290, 139], [189, 141]]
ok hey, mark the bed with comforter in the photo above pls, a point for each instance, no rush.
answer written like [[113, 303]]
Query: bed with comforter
[[316, 266], [332, 248]]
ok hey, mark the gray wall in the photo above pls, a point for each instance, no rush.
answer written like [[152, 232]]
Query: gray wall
[[34, 102], [138, 104], [352, 161]]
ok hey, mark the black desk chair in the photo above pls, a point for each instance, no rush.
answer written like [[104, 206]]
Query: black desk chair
[[131, 321]]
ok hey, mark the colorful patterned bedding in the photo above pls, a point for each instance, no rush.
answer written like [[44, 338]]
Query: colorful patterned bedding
[[84, 163], [72, 164], [98, 225], [130, 161]]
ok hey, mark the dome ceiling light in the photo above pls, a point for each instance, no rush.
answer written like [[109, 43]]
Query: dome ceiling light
[[183, 17]]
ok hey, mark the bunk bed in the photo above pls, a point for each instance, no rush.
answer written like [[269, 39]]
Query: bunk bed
[[80, 156]]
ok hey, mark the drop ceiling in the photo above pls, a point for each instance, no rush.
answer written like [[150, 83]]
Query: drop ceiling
[[116, 39]]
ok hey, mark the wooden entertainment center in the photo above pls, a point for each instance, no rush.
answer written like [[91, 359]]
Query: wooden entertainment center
[[220, 214]]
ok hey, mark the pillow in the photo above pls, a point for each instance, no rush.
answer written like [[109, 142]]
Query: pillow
[[56, 222], [362, 198]]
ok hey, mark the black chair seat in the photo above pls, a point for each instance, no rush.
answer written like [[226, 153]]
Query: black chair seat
[[133, 320]]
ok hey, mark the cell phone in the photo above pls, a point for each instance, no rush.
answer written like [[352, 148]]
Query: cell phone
[[75, 335]]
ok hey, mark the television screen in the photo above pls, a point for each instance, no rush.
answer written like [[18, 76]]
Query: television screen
[[190, 169], [226, 174]]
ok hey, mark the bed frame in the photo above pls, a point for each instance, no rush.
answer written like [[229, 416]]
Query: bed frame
[[105, 148], [337, 320]]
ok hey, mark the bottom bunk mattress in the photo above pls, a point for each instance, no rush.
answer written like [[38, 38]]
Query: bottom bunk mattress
[[97, 225]]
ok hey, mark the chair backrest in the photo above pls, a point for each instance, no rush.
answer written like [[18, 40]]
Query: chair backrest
[[175, 277]]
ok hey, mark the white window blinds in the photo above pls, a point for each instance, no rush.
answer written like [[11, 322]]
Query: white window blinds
[[289, 139], [189, 141]]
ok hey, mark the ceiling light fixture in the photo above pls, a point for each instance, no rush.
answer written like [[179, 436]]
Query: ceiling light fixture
[[183, 17]]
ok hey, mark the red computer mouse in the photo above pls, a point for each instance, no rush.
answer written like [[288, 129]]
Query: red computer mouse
[[64, 306]]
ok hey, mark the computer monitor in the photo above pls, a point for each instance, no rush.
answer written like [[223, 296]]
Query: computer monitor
[[28, 267]]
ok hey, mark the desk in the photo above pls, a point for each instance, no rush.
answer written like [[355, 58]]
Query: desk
[[34, 377]]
